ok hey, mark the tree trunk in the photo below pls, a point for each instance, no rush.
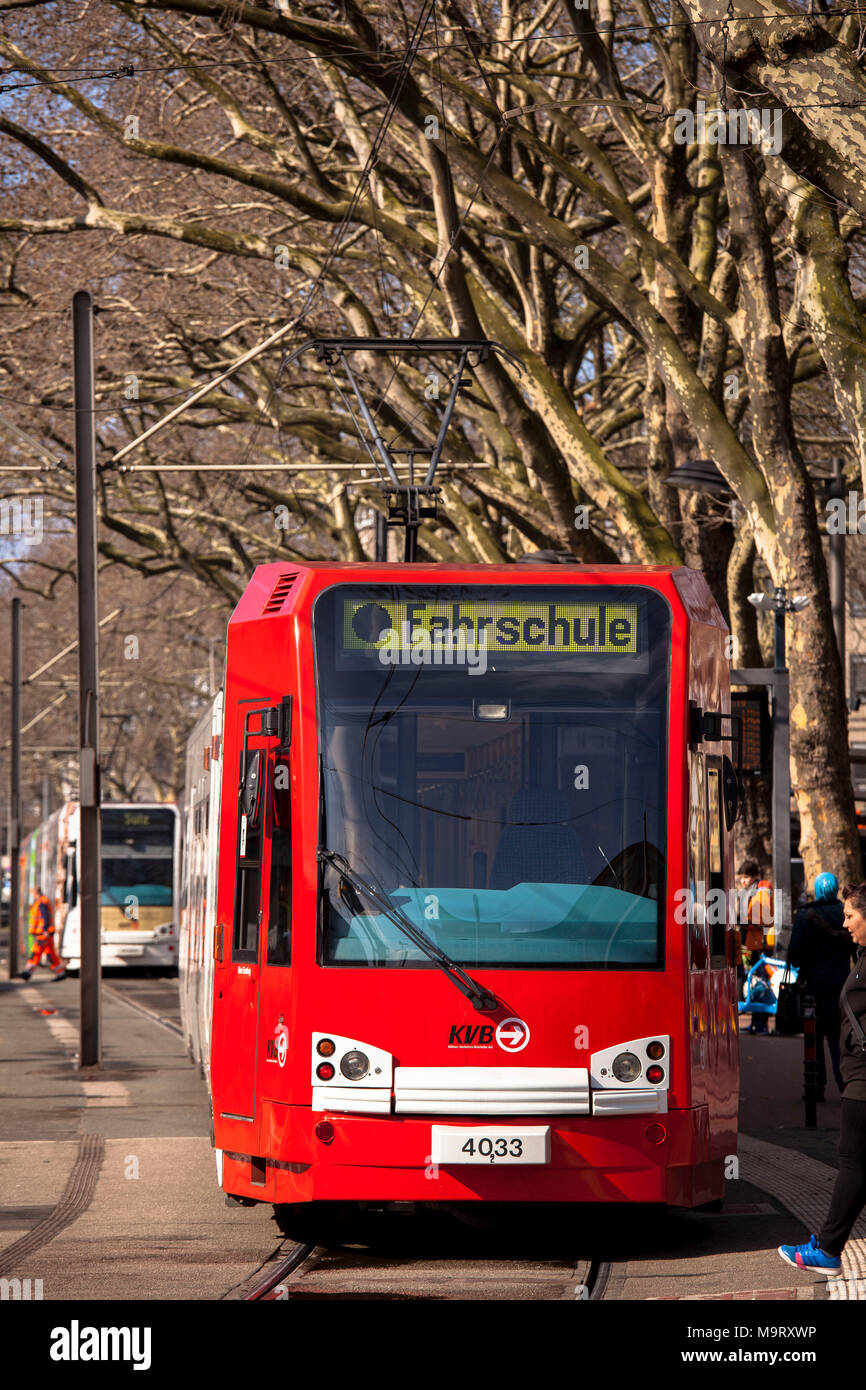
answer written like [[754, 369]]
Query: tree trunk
[[820, 768]]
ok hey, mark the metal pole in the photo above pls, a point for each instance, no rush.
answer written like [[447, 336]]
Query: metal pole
[[837, 568], [380, 549], [88, 681], [779, 596], [379, 442], [781, 782], [14, 836], [212, 385], [810, 1062], [446, 418]]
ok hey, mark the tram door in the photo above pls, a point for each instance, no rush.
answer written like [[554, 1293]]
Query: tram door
[[257, 733], [712, 985], [275, 987], [699, 953], [722, 932], [718, 915]]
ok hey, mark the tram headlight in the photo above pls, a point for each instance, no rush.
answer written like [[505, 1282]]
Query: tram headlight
[[655, 1051], [626, 1067], [354, 1065]]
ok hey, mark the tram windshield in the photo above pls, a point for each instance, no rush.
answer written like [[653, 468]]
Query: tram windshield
[[493, 762], [137, 855]]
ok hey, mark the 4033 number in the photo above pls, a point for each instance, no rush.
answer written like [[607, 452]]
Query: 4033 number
[[493, 1148]]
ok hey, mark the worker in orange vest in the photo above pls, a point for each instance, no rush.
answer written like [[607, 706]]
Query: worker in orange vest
[[42, 931], [755, 899]]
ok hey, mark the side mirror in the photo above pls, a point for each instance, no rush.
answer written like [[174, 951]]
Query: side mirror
[[251, 792], [731, 793]]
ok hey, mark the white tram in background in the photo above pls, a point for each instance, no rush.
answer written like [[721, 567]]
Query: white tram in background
[[201, 814], [140, 867]]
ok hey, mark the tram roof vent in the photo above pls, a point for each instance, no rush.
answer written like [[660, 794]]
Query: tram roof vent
[[278, 597]]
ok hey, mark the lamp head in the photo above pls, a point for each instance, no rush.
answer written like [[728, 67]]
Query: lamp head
[[763, 602]]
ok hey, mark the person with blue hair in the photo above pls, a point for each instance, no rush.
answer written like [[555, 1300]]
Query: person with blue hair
[[822, 950], [826, 888]]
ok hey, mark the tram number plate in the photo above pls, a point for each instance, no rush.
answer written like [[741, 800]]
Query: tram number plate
[[129, 950], [455, 1144]]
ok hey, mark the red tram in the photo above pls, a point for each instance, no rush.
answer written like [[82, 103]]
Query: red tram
[[462, 808]]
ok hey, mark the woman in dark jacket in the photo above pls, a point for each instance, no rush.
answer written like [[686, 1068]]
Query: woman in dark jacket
[[824, 1251], [821, 948]]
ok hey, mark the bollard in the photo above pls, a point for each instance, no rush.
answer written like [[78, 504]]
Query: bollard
[[810, 1062]]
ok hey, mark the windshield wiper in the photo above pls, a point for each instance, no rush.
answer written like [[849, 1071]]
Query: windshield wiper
[[475, 992]]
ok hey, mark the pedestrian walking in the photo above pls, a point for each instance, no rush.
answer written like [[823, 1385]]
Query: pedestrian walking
[[42, 931], [824, 1250], [821, 949]]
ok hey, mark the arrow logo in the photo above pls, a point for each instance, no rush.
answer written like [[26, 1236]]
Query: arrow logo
[[512, 1034]]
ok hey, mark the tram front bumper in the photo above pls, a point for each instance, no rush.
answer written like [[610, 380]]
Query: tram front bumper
[[317, 1156]]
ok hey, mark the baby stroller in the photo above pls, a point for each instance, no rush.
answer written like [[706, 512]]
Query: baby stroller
[[761, 991]]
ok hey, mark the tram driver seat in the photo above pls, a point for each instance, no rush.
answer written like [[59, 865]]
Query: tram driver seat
[[537, 844]]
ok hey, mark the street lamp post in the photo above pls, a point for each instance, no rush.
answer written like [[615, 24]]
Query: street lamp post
[[89, 824]]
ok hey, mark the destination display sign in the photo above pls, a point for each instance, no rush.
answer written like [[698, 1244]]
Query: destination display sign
[[137, 818], [530, 625], [149, 828]]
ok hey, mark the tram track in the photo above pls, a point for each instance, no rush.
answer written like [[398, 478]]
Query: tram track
[[599, 1279], [73, 1202], [312, 1273], [121, 990], [263, 1291]]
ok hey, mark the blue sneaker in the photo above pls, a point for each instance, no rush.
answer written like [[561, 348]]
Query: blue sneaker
[[811, 1256]]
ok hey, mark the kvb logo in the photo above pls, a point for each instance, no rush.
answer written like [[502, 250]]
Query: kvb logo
[[469, 1035], [512, 1034], [278, 1045]]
